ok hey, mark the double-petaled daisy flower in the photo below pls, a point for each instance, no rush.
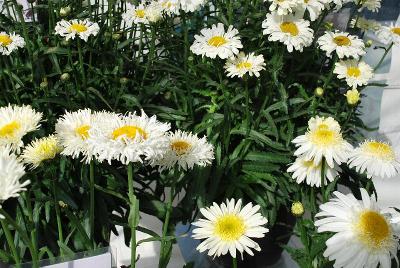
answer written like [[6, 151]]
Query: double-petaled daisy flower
[[344, 44], [307, 171], [135, 14], [294, 32], [372, 5], [365, 24], [313, 8], [215, 42], [364, 233], [376, 158], [40, 150], [10, 42], [170, 6], [15, 123], [185, 150], [389, 34], [77, 28], [323, 139], [11, 171], [229, 227], [191, 5], [72, 131], [284, 7], [354, 72], [245, 64], [127, 138]]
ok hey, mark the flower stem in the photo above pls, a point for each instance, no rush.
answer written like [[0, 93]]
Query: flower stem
[[91, 209], [81, 63], [58, 214], [234, 263], [163, 253], [10, 242], [383, 57], [133, 214], [323, 164]]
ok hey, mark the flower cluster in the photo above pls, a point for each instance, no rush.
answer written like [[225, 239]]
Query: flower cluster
[[130, 138]]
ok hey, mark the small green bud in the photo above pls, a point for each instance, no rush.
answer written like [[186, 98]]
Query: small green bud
[[369, 43], [124, 80], [65, 77], [116, 36], [297, 209], [319, 91], [44, 84], [64, 11]]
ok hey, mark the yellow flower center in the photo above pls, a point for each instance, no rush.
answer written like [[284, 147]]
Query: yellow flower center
[[373, 229], [324, 137], [229, 227], [353, 71], [83, 131], [180, 147], [380, 150], [47, 149], [140, 13], [129, 132], [289, 27], [5, 40], [9, 129], [309, 164], [297, 209], [77, 27], [342, 40], [217, 41], [167, 4], [244, 65], [306, 1], [396, 30]]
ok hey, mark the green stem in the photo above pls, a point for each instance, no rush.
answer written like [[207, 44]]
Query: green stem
[[234, 262], [133, 214], [383, 57], [163, 258], [10, 242], [81, 64], [185, 62], [246, 91], [151, 53], [58, 215], [91, 209], [329, 78], [8, 68]]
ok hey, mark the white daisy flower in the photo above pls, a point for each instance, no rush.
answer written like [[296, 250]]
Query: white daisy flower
[[10, 42], [72, 131], [154, 11], [229, 227], [344, 44], [356, 73], [191, 5], [170, 6], [40, 150], [364, 234], [245, 64], [215, 42], [284, 7], [313, 7], [306, 171], [15, 123], [135, 14], [323, 140], [339, 3], [11, 171], [376, 158], [372, 5], [127, 138], [295, 33], [77, 28], [185, 150], [365, 24], [389, 34]]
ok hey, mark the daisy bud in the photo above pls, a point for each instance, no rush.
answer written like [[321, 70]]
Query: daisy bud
[[319, 91], [353, 96], [297, 209], [116, 36], [44, 84], [368, 43], [65, 77], [124, 80], [64, 11]]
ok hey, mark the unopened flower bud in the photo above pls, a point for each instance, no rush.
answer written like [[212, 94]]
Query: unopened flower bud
[[353, 96], [368, 43], [44, 84], [297, 209], [124, 80], [319, 91], [116, 36], [64, 11], [65, 77]]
